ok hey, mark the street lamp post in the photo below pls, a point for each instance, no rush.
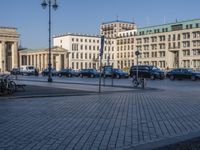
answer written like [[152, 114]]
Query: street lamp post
[[109, 48], [137, 53], [100, 60], [44, 4]]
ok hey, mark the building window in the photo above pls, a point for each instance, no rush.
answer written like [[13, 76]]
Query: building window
[[76, 55], [186, 52], [77, 66], [90, 56]]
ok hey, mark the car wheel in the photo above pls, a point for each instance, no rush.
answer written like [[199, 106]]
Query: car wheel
[[118, 76], [92, 76], [172, 77], [152, 77], [193, 78], [162, 78]]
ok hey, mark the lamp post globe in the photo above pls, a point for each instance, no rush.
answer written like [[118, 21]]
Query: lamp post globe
[[44, 5]]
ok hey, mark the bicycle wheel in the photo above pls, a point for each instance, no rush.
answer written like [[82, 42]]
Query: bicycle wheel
[[135, 83], [11, 87]]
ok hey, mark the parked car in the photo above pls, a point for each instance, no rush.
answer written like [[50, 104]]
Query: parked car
[[27, 70], [183, 73], [107, 71], [15, 71], [147, 71], [118, 73], [67, 73], [45, 72], [88, 73]]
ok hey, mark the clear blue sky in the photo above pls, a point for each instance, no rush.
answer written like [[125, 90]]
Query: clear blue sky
[[85, 16]]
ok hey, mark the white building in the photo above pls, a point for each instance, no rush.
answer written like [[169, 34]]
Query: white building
[[84, 50]]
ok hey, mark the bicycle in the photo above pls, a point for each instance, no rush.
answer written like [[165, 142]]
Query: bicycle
[[7, 85], [136, 82]]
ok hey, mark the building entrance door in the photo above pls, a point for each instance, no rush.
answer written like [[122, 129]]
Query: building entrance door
[[176, 59]]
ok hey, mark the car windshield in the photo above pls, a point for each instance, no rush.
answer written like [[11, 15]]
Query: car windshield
[[30, 67], [92, 70], [118, 70], [155, 68], [191, 70]]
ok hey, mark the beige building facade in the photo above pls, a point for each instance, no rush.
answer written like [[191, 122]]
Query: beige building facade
[[111, 29], [166, 46], [39, 58], [8, 48], [171, 45], [84, 50]]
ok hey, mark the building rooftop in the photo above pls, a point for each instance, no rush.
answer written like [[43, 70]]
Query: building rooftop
[[40, 49], [2, 27], [168, 27], [115, 21], [76, 34]]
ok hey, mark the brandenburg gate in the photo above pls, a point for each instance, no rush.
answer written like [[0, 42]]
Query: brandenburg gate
[[8, 48]]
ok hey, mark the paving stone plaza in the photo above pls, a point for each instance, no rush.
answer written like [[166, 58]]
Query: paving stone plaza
[[130, 119]]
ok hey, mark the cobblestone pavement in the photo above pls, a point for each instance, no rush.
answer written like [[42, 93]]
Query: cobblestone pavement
[[117, 120]]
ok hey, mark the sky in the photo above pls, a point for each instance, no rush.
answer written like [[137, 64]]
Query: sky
[[85, 16]]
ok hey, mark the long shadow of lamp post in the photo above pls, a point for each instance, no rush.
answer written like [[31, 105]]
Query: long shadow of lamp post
[[54, 5]]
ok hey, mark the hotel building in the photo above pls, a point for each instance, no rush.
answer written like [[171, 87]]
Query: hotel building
[[170, 45], [166, 46]]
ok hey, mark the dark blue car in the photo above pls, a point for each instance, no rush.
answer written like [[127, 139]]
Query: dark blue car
[[147, 71], [67, 73], [183, 73], [118, 73], [88, 73]]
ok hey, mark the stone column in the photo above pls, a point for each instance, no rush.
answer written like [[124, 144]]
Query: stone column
[[31, 60], [20, 60], [3, 61], [1, 57], [66, 61], [42, 62], [14, 55], [45, 61], [27, 61], [52, 60], [58, 62], [38, 61], [35, 64]]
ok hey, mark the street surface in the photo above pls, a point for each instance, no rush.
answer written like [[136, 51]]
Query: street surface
[[73, 115]]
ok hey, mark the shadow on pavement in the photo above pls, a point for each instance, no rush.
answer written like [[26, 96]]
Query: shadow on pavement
[[40, 91]]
